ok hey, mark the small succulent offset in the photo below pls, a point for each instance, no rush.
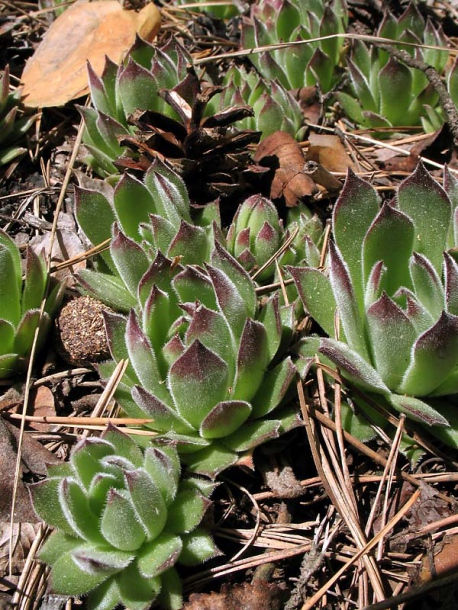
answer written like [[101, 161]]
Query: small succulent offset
[[384, 91], [20, 302], [274, 108], [124, 89], [124, 518], [12, 128], [203, 360], [393, 283], [276, 21], [257, 233]]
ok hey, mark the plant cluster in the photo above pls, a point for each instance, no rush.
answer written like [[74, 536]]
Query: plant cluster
[[20, 303], [282, 21], [124, 518], [122, 90], [207, 373], [210, 364], [386, 92]]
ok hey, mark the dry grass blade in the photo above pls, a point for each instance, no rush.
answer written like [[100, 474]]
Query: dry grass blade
[[338, 492], [28, 382], [310, 604]]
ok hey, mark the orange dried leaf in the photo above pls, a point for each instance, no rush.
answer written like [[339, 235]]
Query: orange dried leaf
[[328, 151], [281, 152], [86, 31]]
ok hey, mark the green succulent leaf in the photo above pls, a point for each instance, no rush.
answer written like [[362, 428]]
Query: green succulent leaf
[[417, 195], [317, 296], [159, 555], [354, 212], [198, 380], [434, 357], [119, 524], [70, 579], [130, 260], [197, 548], [353, 366], [395, 252], [148, 502], [108, 289], [163, 466]]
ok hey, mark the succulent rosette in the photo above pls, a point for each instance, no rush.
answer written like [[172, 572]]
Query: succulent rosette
[[13, 126], [20, 303], [384, 91], [257, 233], [124, 89], [204, 361], [392, 283], [140, 217], [277, 21], [124, 518]]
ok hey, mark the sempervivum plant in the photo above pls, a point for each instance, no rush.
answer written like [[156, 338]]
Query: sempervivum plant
[[274, 108], [20, 302], [12, 126], [257, 233], [393, 283], [204, 361], [387, 93], [159, 220], [124, 519], [275, 21], [124, 89]]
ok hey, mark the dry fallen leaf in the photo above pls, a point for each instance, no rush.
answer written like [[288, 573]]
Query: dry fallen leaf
[[328, 151], [282, 153], [86, 31]]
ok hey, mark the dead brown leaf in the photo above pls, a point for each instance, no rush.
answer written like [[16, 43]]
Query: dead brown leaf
[[259, 595], [22, 536], [42, 406], [34, 458], [328, 151], [86, 31], [310, 102], [282, 153]]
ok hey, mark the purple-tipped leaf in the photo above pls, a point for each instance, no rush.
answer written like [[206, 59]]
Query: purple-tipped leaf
[[130, 260], [165, 418], [417, 409], [225, 418], [349, 309], [143, 359], [427, 204], [434, 357], [451, 283], [353, 367], [190, 242], [221, 259], [392, 335], [427, 285], [354, 212], [197, 381]]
